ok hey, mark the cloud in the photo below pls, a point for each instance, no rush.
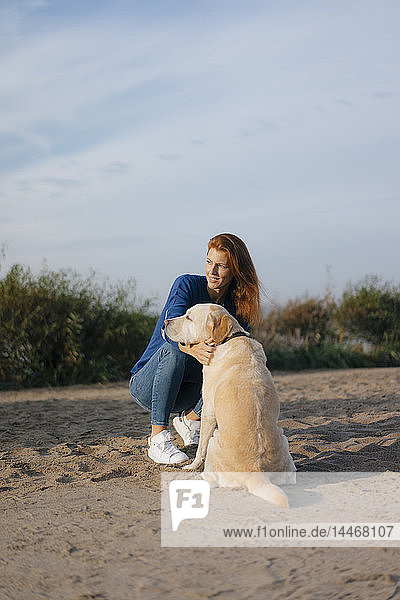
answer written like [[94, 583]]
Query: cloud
[[382, 95], [117, 168], [259, 126], [343, 102], [107, 117], [73, 86], [172, 157], [38, 4]]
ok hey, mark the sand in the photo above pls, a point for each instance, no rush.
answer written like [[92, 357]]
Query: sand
[[80, 501]]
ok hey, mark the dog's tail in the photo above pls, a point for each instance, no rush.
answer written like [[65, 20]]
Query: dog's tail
[[260, 485]]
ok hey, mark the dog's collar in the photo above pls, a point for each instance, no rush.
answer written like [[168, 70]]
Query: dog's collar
[[229, 337], [234, 335]]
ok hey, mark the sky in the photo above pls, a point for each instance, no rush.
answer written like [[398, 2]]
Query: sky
[[132, 132]]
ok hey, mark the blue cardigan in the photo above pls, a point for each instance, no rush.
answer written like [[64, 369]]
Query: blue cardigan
[[186, 291]]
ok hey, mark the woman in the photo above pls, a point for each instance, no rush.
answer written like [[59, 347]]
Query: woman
[[168, 376]]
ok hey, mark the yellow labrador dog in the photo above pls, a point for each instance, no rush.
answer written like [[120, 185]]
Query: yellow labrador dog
[[248, 447]]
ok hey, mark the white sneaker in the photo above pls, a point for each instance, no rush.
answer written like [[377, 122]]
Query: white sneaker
[[163, 451], [188, 430]]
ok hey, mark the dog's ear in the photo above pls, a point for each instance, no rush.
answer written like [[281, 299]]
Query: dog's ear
[[218, 326]]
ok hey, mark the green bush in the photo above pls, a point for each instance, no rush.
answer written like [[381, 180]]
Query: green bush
[[57, 328], [363, 330], [370, 310], [301, 319], [327, 355]]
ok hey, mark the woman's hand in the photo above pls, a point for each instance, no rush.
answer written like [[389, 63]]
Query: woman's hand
[[202, 352]]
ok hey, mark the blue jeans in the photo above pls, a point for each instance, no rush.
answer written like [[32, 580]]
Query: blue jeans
[[170, 381]]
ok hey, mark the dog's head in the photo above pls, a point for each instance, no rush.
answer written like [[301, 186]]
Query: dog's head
[[201, 322]]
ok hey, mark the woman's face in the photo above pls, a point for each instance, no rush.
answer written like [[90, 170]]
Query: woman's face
[[218, 273]]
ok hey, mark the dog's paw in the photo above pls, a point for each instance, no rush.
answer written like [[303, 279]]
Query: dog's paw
[[196, 464], [188, 467]]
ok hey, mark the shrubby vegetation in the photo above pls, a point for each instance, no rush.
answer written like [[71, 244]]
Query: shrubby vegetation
[[371, 310], [362, 329], [57, 328]]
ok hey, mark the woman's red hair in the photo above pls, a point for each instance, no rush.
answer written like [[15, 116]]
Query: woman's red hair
[[246, 286]]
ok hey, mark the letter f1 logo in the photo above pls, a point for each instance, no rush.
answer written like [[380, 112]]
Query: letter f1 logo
[[189, 499]]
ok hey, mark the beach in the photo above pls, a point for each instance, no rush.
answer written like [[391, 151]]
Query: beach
[[80, 500]]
